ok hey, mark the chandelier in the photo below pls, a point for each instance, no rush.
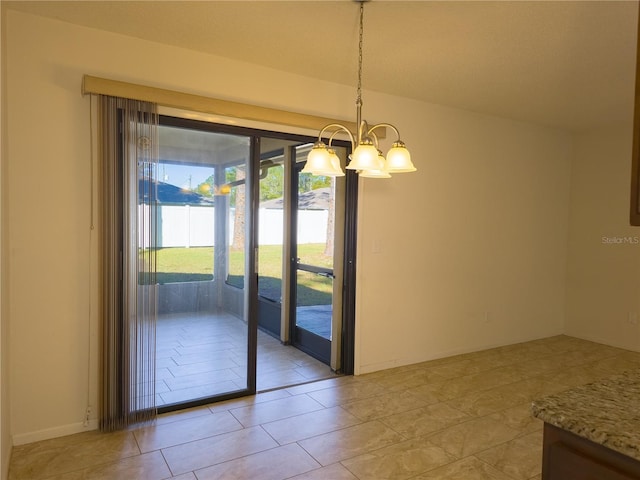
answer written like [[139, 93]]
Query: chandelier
[[366, 157]]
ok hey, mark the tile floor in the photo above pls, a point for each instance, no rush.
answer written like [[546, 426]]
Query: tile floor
[[460, 418], [201, 355]]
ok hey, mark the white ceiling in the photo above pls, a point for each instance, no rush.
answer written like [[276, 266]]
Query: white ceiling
[[563, 64]]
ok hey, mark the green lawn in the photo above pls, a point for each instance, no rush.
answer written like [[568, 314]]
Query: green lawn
[[196, 264], [184, 264]]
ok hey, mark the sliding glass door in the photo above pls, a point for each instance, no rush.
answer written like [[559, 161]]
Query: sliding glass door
[[232, 217], [204, 260]]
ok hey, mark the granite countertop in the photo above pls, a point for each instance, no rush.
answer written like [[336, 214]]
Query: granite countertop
[[606, 412]]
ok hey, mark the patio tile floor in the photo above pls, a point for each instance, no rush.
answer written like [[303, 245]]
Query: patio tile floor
[[204, 354]]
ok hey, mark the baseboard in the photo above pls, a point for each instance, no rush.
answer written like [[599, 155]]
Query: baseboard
[[604, 341], [55, 432], [406, 361], [4, 462]]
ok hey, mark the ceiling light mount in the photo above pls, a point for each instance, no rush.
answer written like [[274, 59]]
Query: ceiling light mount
[[366, 157]]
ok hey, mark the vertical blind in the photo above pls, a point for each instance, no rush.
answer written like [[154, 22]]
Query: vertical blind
[[129, 156]]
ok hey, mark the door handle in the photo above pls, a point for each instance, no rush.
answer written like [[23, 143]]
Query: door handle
[[326, 274]]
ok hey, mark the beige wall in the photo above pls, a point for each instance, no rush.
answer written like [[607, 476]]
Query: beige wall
[[469, 252], [603, 293], [5, 434]]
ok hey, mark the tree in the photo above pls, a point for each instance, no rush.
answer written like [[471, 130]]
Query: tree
[[206, 188], [308, 182], [238, 199], [272, 185]]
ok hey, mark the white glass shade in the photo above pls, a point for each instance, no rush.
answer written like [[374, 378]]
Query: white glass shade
[[399, 159], [378, 173], [323, 161], [335, 164], [374, 174], [318, 159], [365, 157], [334, 170]]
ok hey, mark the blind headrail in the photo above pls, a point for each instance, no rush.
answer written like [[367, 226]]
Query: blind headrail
[[203, 104]]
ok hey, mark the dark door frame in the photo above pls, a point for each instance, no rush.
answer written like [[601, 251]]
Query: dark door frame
[[347, 341], [304, 340], [349, 272]]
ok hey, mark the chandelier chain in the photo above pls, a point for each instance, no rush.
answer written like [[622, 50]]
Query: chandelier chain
[[366, 159], [361, 34]]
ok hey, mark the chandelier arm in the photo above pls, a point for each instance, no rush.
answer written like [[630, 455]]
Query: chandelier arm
[[339, 128], [363, 128], [371, 135], [384, 125]]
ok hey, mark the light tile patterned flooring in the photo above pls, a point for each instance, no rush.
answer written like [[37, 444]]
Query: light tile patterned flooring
[[459, 418], [201, 355]]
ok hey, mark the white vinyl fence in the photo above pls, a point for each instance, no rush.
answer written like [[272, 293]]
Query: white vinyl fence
[[193, 226]]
